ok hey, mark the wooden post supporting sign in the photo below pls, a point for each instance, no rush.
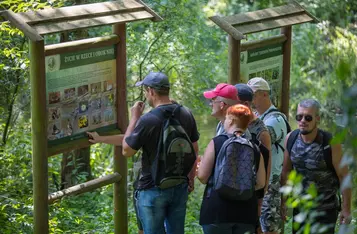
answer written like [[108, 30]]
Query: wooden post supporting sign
[[285, 89], [60, 58], [120, 162], [234, 60], [39, 136], [238, 26]]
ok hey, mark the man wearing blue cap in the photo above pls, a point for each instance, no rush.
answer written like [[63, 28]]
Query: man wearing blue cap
[[158, 208], [259, 135]]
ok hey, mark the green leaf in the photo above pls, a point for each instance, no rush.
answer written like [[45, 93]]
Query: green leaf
[[307, 228], [339, 137]]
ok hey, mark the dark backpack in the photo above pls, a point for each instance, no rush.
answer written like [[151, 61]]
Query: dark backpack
[[265, 153], [327, 152], [175, 153], [234, 175], [275, 111], [326, 138]]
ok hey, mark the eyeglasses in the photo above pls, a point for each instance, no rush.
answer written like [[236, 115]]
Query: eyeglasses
[[214, 101], [308, 118]]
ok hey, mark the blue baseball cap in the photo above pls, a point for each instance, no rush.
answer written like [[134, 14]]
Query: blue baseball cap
[[156, 80], [245, 93]]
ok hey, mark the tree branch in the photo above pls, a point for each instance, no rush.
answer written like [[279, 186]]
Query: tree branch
[[12, 102], [147, 54], [143, 60]]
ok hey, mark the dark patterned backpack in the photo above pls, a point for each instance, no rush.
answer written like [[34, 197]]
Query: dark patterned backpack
[[235, 171], [175, 153]]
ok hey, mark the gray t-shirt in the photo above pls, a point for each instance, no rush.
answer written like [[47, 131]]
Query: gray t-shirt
[[256, 127]]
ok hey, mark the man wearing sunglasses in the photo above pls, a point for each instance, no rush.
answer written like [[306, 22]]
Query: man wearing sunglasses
[[275, 121], [308, 151]]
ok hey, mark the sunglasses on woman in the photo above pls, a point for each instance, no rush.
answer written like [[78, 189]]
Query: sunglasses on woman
[[308, 118]]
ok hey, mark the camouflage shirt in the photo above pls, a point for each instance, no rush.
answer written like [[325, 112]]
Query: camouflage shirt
[[308, 160], [256, 127]]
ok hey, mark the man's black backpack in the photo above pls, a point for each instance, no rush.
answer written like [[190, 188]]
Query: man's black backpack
[[327, 152], [175, 153], [234, 175], [326, 138], [274, 111]]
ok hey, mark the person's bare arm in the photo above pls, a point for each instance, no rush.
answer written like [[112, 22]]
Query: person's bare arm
[[136, 112], [191, 175], [127, 150], [287, 167], [345, 216], [287, 164], [94, 137], [261, 175], [207, 164], [264, 138]]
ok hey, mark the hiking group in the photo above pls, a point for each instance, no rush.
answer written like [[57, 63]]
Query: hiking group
[[243, 166]]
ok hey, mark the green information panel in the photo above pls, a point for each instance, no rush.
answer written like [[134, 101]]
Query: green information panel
[[81, 93], [265, 62]]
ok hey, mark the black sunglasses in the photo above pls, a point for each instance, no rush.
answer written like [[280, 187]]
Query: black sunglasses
[[308, 118]]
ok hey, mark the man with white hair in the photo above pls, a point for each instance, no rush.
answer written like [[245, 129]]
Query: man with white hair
[[278, 128]]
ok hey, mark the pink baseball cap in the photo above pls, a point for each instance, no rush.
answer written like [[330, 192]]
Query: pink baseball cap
[[222, 90]]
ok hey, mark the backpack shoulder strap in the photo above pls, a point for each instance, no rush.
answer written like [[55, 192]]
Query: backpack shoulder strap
[[162, 113], [210, 182], [176, 111], [276, 111], [326, 138], [159, 113], [254, 138], [291, 140], [270, 111], [327, 151], [230, 138]]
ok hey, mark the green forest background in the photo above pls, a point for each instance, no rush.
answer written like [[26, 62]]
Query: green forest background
[[194, 53]]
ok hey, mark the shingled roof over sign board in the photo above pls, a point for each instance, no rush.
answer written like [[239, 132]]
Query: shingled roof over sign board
[[245, 23], [55, 20]]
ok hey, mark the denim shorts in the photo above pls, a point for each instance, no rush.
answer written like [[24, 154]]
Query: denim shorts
[[161, 209], [140, 226]]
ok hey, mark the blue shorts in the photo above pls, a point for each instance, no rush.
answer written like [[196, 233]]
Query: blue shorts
[[163, 208]]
